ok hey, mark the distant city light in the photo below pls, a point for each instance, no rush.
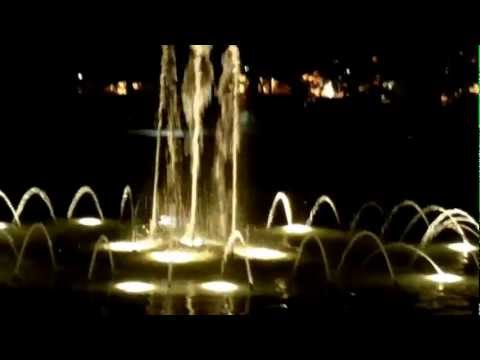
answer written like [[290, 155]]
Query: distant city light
[[247, 69], [120, 88], [328, 91], [474, 89], [444, 99], [375, 59], [80, 76], [347, 71], [136, 85]]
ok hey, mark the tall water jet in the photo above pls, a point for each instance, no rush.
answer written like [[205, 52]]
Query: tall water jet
[[235, 53], [102, 240], [28, 195], [361, 235], [322, 250], [283, 199], [356, 219], [26, 240], [227, 138], [196, 95], [175, 159], [320, 201], [167, 109], [396, 209], [7, 201], [84, 190]]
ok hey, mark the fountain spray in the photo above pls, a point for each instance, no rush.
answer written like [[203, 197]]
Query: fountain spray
[[196, 95]]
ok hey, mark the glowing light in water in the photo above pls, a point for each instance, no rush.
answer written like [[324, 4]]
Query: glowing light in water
[[89, 221], [462, 247], [219, 287], [260, 253], [178, 256], [135, 287], [3, 225], [195, 242], [297, 229], [167, 221], [131, 246], [444, 278]]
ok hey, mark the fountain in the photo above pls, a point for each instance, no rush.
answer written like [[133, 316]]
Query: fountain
[[283, 199], [102, 240], [43, 229], [396, 209], [26, 197], [324, 255], [10, 207], [196, 231], [84, 190], [320, 201], [361, 235], [356, 219]]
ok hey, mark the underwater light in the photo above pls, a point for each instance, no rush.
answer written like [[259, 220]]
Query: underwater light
[[131, 246], [444, 278], [89, 221], [259, 253], [167, 221], [297, 229], [135, 287], [192, 242], [178, 256], [3, 225], [462, 247], [219, 287]]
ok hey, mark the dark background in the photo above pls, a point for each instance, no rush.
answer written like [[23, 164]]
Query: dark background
[[354, 151]]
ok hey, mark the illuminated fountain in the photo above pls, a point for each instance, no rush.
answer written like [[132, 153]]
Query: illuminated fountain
[[186, 231]]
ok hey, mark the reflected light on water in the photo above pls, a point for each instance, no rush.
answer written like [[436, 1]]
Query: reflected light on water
[[192, 242], [131, 246], [462, 247], [444, 278], [89, 221], [297, 229], [167, 221], [178, 256], [135, 287], [219, 287], [260, 253]]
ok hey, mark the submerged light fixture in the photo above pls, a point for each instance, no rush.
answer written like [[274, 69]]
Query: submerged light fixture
[[219, 287], [89, 221]]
